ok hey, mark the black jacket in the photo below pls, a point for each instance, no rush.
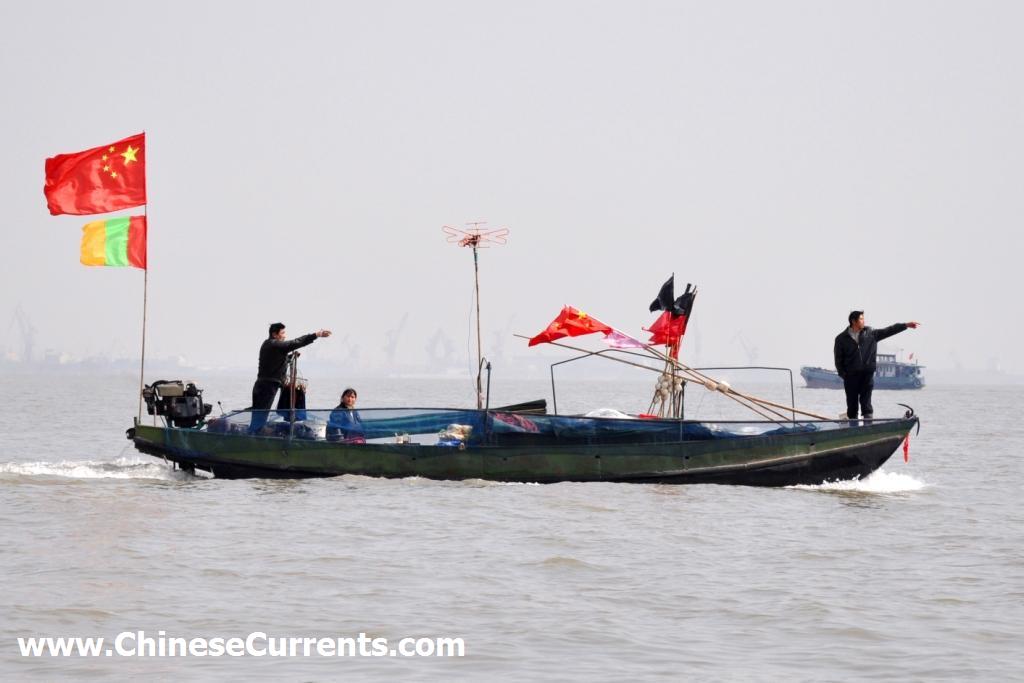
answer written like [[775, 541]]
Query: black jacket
[[859, 356], [274, 356]]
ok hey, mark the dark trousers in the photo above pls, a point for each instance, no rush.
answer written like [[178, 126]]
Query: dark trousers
[[263, 393], [284, 403], [859, 386]]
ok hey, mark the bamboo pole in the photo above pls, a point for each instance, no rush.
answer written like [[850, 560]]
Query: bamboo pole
[[698, 377], [701, 378], [648, 367], [729, 391]]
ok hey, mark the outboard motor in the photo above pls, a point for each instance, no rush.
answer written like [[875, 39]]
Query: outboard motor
[[181, 403]]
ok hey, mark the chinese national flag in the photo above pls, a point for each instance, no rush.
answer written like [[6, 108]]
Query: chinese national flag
[[98, 180], [569, 323]]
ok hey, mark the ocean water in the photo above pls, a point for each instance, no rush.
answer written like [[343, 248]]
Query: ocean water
[[915, 573]]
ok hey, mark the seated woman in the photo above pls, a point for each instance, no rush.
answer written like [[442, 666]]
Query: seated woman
[[344, 423]]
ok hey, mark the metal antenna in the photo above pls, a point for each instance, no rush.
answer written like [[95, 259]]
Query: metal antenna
[[477, 237]]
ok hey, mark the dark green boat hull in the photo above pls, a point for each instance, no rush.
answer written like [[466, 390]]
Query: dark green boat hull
[[768, 460]]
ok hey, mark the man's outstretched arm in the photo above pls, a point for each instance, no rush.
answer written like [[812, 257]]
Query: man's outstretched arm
[[299, 342], [894, 329]]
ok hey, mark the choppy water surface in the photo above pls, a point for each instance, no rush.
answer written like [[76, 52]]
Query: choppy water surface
[[915, 573]]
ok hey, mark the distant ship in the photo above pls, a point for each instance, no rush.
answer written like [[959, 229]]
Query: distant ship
[[890, 374]]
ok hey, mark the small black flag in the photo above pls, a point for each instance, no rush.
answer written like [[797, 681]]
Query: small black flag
[[666, 300], [665, 296], [684, 303]]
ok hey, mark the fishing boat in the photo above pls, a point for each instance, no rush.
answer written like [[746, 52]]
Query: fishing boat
[[512, 444], [889, 374], [783, 446]]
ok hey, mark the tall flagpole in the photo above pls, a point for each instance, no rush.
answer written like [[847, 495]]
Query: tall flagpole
[[145, 292], [145, 285]]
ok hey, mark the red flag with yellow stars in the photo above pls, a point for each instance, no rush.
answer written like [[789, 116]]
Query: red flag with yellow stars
[[98, 180], [569, 323]]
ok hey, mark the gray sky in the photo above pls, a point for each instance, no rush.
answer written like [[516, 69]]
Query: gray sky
[[796, 159]]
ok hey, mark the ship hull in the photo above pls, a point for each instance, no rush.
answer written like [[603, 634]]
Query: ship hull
[[784, 459], [820, 378]]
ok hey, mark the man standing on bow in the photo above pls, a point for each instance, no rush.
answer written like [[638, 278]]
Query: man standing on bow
[[855, 351], [273, 363]]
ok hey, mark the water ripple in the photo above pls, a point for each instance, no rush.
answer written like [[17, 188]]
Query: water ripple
[[914, 573]]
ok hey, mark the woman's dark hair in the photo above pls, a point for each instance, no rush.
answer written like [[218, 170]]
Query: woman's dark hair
[[854, 315], [275, 328], [348, 391]]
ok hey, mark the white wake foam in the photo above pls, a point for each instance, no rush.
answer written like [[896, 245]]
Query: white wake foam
[[122, 468], [879, 481]]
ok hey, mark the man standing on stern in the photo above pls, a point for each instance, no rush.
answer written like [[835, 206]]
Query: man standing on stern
[[270, 375], [855, 351]]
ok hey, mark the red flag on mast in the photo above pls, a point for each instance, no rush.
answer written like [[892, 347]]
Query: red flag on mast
[[670, 326], [667, 329], [571, 322], [98, 180]]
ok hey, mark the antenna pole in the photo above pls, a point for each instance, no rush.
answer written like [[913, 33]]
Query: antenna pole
[[479, 346], [477, 237]]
